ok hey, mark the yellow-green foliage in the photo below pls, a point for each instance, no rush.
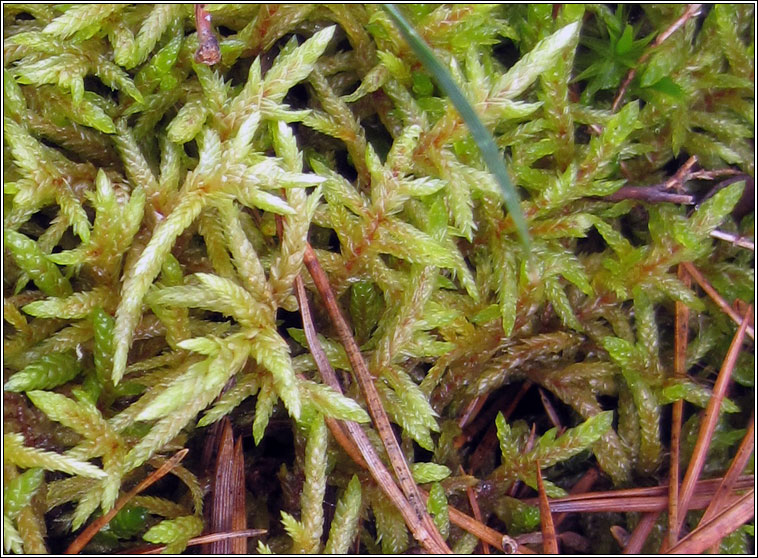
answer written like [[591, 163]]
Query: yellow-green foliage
[[157, 211]]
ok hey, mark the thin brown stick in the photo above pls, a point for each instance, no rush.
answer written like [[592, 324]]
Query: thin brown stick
[[549, 540], [376, 467], [202, 539], [730, 478], [93, 528], [708, 424], [705, 536], [691, 11], [716, 297]]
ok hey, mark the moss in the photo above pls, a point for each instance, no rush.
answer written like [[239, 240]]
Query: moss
[[505, 208]]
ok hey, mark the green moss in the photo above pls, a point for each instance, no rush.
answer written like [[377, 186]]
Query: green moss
[[157, 212]]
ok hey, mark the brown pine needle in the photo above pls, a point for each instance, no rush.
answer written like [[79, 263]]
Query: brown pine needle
[[638, 499], [202, 539], [371, 460], [735, 468], [549, 540], [717, 298], [705, 536], [641, 532], [413, 519], [93, 528], [708, 423]]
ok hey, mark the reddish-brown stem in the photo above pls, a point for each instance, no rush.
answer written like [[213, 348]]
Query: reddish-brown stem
[[681, 332], [93, 528], [708, 424]]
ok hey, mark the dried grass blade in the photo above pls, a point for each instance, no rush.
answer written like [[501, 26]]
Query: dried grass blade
[[93, 528], [709, 421], [705, 536], [222, 498], [239, 515]]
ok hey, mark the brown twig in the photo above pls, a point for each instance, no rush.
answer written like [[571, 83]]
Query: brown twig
[[708, 424], [208, 51], [670, 191], [549, 540], [706, 535], [654, 193], [691, 11], [740, 241], [717, 298], [93, 528]]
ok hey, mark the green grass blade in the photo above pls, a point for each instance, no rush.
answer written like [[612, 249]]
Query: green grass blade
[[481, 135]]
